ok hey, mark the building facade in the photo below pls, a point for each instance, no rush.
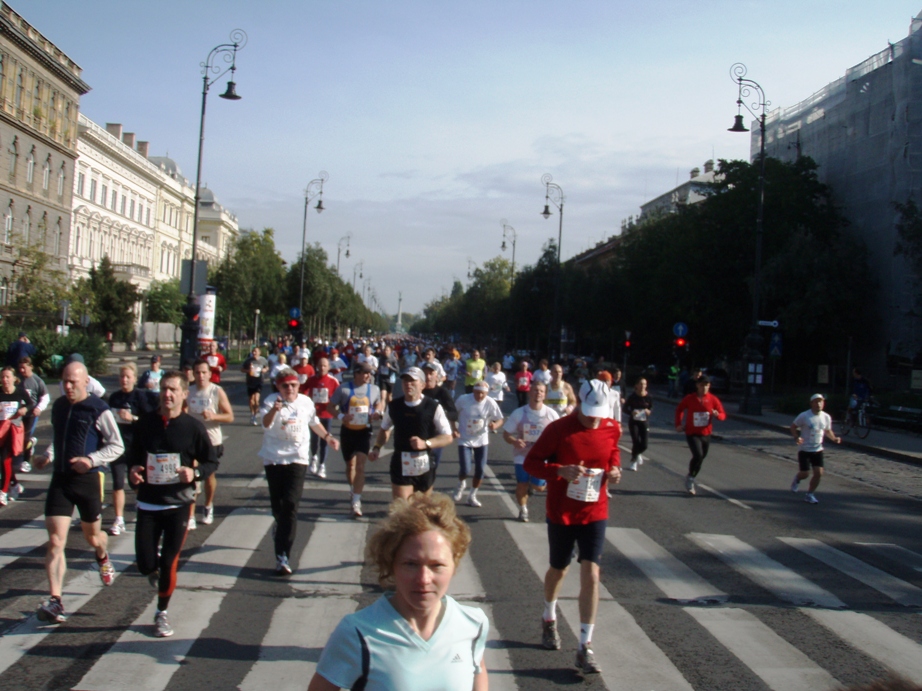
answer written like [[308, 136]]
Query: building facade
[[40, 90], [864, 130]]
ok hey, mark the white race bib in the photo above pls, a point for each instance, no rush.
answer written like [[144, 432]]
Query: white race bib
[[588, 487], [256, 371], [531, 432], [320, 395], [359, 414], [701, 419], [8, 409], [198, 404], [475, 426], [291, 428], [639, 414], [212, 360], [522, 382], [475, 373], [163, 468], [414, 463]]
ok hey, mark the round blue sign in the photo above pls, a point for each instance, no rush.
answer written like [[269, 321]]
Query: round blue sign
[[294, 313], [680, 329]]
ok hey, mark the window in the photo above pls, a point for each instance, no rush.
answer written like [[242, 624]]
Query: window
[[104, 195], [57, 238], [114, 201], [206, 238], [77, 241], [124, 203], [4, 292], [93, 191], [46, 173], [61, 181], [147, 217], [20, 89], [27, 227], [30, 167], [14, 157], [81, 180], [8, 225], [131, 209]]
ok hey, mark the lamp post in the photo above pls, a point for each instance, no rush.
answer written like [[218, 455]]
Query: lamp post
[[751, 403], [357, 269], [313, 190], [228, 53], [509, 232], [256, 329], [554, 195], [471, 267], [339, 248]]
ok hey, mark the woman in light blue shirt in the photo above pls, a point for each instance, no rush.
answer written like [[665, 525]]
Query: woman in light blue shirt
[[415, 637]]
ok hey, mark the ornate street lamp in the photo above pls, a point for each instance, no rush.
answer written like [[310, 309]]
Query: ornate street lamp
[[314, 190], [471, 267], [347, 238], [554, 195], [751, 403], [228, 53], [357, 269], [509, 232]]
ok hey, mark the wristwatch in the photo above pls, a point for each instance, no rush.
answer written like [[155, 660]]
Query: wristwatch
[[198, 474], [428, 444]]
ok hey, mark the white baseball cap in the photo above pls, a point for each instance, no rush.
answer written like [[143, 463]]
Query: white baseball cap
[[594, 399]]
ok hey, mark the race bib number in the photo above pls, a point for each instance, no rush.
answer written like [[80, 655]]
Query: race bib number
[[212, 360], [588, 487], [701, 419], [531, 432], [256, 371], [639, 414], [8, 409], [198, 404], [475, 427], [359, 414], [475, 373], [414, 463], [163, 468], [320, 395], [496, 388], [291, 428], [523, 382]]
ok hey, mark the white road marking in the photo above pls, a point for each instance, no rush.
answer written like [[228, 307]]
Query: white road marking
[[22, 540], [896, 553]]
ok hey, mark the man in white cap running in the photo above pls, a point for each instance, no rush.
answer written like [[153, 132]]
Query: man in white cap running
[[809, 429]]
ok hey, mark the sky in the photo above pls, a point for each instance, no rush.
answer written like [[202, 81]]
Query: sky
[[435, 120]]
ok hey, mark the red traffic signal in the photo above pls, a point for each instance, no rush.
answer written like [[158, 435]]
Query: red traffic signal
[[627, 344], [680, 343], [293, 324]]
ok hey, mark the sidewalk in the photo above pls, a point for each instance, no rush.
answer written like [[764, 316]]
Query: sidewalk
[[895, 445]]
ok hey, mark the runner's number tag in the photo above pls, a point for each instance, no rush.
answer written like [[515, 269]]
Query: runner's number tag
[[639, 414], [163, 468], [588, 486], [256, 371], [9, 409], [359, 414], [291, 428], [475, 426], [701, 419], [320, 395], [414, 463], [531, 432]]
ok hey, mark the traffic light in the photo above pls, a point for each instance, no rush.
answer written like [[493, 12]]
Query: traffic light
[[680, 343], [627, 343], [294, 324]]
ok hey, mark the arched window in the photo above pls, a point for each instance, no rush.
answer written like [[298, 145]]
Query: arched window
[[27, 227], [57, 238], [61, 181], [14, 157], [8, 225], [77, 240], [30, 166], [20, 89], [46, 173]]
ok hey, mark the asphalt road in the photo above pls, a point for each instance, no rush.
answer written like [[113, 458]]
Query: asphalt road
[[744, 586]]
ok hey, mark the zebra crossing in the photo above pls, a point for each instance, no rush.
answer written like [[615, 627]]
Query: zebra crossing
[[328, 584]]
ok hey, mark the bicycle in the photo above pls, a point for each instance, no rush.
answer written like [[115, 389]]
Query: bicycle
[[857, 417]]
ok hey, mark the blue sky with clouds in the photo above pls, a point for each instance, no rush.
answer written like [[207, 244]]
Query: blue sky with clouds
[[436, 119]]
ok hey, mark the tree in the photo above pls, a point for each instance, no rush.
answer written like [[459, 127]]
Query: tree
[[164, 303], [113, 301], [40, 285]]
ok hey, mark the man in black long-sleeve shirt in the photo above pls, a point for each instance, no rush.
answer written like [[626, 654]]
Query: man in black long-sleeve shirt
[[170, 451], [443, 397]]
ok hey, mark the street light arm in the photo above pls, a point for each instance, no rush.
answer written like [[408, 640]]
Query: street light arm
[[747, 89], [554, 192], [226, 52]]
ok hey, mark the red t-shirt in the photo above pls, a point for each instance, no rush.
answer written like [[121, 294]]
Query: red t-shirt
[[305, 371], [698, 413], [320, 389], [567, 442], [218, 364], [523, 381]]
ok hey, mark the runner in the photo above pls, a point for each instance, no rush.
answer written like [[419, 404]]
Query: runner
[[151, 377], [443, 397], [700, 409], [320, 389], [560, 395], [578, 455], [208, 401], [170, 451], [255, 366], [85, 439], [522, 430], [809, 428], [429, 358], [337, 366], [522, 383], [542, 374], [216, 361], [302, 365], [387, 374], [14, 405], [478, 415], [639, 408], [359, 404], [452, 370], [39, 400], [127, 404], [420, 425], [287, 419], [474, 370]]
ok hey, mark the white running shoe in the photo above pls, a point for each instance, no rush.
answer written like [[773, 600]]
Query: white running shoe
[[795, 484], [459, 493], [357, 508], [322, 471], [208, 518], [282, 567], [523, 514], [118, 526], [192, 524], [473, 501], [16, 491], [314, 466], [640, 459], [690, 485], [25, 467], [4, 499], [810, 498], [633, 466]]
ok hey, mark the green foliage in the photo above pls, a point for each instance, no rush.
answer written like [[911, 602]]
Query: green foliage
[[112, 302], [47, 343], [41, 285], [164, 302]]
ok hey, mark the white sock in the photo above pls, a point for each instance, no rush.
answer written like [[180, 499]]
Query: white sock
[[473, 492], [585, 634], [161, 611], [462, 484], [550, 610], [356, 497]]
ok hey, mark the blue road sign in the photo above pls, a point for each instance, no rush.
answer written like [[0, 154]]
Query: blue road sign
[[775, 345], [294, 313], [680, 329]]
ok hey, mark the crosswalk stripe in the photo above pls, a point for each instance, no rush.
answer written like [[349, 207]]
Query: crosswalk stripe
[[898, 590], [330, 571], [675, 579], [895, 553], [141, 663], [77, 592], [774, 577], [778, 663], [859, 630], [22, 540]]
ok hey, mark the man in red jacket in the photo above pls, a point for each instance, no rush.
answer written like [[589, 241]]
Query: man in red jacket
[[700, 409], [577, 455]]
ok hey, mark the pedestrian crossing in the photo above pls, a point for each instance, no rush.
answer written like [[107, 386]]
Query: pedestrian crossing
[[328, 584]]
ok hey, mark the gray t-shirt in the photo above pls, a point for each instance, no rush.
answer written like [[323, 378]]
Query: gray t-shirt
[[361, 401], [254, 369]]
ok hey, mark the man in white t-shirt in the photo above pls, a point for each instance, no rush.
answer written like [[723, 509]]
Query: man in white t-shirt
[[522, 430], [478, 415], [809, 428]]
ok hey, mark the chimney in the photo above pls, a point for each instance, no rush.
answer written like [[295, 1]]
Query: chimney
[[128, 139], [115, 129], [144, 149], [695, 172], [709, 166]]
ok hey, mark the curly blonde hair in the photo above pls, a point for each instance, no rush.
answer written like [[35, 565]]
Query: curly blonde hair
[[407, 517]]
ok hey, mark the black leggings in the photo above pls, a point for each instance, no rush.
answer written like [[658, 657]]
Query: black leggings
[[522, 398], [640, 436], [699, 444], [151, 525], [286, 482], [318, 443]]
